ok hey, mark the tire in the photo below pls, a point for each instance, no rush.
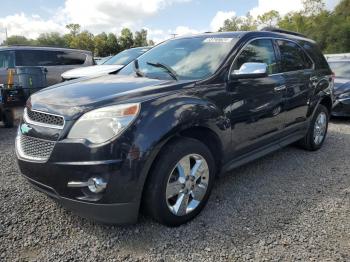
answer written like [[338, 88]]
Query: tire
[[167, 179], [8, 119], [309, 142]]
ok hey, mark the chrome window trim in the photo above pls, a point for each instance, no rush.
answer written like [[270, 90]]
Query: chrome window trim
[[29, 121], [271, 38]]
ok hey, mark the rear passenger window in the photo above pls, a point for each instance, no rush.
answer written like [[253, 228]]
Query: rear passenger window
[[258, 51], [293, 58], [48, 58]]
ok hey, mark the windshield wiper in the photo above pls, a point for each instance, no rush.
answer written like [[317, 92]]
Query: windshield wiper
[[137, 69], [167, 68]]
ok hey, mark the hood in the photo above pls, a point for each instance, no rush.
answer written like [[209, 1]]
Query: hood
[[91, 71], [74, 97], [341, 86]]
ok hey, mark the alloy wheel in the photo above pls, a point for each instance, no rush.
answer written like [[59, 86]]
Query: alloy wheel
[[187, 184]]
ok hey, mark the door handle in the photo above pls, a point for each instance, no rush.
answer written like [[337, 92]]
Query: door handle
[[280, 88]]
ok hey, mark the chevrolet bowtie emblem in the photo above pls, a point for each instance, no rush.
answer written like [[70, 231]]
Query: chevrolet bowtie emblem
[[25, 129]]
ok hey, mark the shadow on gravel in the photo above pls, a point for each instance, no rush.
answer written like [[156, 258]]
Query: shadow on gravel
[[251, 204]]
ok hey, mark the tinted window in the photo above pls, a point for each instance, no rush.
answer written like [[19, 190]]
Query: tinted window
[[48, 58], [190, 58], [258, 51], [341, 68], [293, 58], [7, 59], [125, 57], [316, 54]]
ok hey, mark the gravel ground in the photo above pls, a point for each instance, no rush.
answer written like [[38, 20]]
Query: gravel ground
[[291, 205]]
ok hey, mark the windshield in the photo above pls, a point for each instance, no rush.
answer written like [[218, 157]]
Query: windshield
[[7, 59], [189, 58], [341, 68], [125, 57]]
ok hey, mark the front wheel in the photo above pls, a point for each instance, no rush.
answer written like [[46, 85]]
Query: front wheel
[[180, 183], [317, 132]]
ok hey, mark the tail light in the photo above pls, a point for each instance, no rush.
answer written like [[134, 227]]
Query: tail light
[[10, 77]]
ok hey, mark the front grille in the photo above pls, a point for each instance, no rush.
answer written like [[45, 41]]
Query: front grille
[[34, 148], [44, 118]]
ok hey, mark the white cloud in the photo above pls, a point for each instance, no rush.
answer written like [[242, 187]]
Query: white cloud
[[95, 16], [220, 18], [284, 6], [29, 26]]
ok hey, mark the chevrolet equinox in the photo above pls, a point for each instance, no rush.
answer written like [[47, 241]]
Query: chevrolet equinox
[[157, 134]]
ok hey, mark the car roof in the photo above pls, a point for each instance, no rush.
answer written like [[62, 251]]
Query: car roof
[[252, 34], [43, 48]]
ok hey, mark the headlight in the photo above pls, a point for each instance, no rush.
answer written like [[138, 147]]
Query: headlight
[[103, 124]]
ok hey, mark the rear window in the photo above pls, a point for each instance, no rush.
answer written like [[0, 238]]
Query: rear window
[[7, 59], [341, 68], [48, 58], [293, 58], [316, 54]]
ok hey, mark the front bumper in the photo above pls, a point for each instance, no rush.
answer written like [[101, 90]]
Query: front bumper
[[118, 204], [341, 108], [121, 213]]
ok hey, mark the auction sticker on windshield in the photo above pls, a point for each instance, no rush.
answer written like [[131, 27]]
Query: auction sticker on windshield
[[217, 40]]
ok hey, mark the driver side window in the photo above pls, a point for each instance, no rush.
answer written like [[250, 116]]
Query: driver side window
[[258, 51]]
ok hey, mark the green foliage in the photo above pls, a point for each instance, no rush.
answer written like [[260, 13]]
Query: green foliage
[[269, 19], [126, 38], [101, 45], [18, 40], [236, 23], [330, 29]]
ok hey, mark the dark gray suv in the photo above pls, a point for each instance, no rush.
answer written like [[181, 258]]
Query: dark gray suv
[[55, 60]]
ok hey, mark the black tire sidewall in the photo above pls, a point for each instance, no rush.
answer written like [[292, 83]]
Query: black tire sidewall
[[170, 156]]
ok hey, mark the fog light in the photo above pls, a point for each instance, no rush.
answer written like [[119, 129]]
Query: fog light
[[97, 184]]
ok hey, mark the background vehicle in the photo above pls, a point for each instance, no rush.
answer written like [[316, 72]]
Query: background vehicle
[[340, 65], [26, 69], [101, 60], [54, 60], [159, 131], [113, 64]]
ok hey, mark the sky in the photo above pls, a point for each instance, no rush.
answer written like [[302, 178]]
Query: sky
[[160, 17]]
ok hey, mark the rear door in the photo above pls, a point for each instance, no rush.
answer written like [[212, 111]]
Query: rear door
[[298, 71]]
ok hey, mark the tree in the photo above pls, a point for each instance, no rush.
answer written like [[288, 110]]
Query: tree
[[126, 39], [244, 23], [51, 39], [74, 29], [101, 45], [151, 43], [269, 19], [17, 40], [140, 38], [84, 40], [112, 44], [313, 7]]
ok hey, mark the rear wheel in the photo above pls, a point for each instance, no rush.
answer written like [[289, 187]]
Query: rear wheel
[[317, 132], [180, 183], [7, 118]]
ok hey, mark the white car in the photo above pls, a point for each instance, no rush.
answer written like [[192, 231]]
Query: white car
[[114, 64]]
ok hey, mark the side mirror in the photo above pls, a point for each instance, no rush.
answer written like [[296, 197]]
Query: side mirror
[[250, 70]]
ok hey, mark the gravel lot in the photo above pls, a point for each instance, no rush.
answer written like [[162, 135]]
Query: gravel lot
[[290, 205]]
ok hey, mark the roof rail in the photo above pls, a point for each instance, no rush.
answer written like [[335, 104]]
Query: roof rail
[[282, 31]]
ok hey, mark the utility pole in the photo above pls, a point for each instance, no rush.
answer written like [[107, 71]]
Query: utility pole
[[173, 35], [6, 34]]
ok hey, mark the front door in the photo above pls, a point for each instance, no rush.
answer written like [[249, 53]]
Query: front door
[[257, 107]]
